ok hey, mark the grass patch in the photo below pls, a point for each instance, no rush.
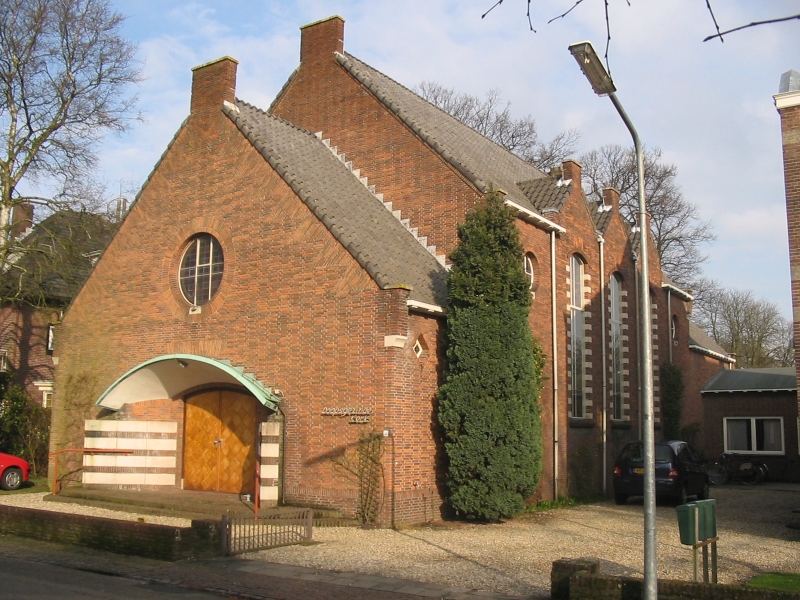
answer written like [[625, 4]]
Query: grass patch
[[785, 582], [545, 505], [35, 485]]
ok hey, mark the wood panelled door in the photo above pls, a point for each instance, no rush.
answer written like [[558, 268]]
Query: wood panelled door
[[219, 442]]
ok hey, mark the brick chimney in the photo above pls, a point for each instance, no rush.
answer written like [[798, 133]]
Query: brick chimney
[[611, 198], [572, 170], [319, 40], [21, 219], [212, 84], [787, 101]]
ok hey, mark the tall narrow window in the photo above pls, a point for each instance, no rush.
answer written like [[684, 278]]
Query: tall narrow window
[[529, 271], [201, 269], [616, 345], [577, 341]]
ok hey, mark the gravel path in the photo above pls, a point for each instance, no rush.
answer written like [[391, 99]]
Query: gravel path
[[515, 557], [37, 501]]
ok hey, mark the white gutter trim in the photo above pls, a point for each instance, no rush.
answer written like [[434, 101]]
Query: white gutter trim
[[424, 307], [537, 219], [713, 354], [682, 294]]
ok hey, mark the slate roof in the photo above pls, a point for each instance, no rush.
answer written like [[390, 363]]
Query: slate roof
[[700, 340], [601, 215], [545, 193], [59, 254], [479, 159], [358, 220], [753, 380]]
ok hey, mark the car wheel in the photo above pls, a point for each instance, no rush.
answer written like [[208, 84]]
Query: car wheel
[[704, 493], [11, 479], [620, 498], [683, 496]]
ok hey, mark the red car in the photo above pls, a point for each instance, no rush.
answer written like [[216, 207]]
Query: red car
[[14, 471]]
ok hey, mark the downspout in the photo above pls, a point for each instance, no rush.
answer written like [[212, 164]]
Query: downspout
[[639, 342], [554, 311], [604, 428]]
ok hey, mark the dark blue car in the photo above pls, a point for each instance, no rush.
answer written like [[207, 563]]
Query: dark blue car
[[680, 472]]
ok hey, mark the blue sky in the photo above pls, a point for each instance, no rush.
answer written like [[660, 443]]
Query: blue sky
[[708, 106]]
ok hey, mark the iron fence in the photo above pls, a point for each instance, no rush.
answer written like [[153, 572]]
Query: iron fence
[[279, 527]]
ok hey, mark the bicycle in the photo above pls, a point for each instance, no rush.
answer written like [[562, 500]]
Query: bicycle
[[731, 468]]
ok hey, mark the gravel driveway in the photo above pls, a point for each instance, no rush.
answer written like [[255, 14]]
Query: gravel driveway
[[515, 557]]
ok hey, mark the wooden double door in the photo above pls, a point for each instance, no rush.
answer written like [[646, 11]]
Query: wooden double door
[[219, 442]]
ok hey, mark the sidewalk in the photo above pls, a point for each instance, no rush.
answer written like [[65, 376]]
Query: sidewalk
[[230, 577]]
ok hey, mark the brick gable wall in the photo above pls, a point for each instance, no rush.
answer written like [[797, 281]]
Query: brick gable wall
[[322, 96], [293, 307]]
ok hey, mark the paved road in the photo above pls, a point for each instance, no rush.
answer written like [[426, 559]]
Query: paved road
[[32, 569], [26, 580]]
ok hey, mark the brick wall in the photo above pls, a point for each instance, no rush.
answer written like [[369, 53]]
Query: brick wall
[[293, 307], [323, 96], [790, 136], [23, 335], [579, 579], [163, 542]]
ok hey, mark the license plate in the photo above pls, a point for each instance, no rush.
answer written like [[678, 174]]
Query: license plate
[[639, 471]]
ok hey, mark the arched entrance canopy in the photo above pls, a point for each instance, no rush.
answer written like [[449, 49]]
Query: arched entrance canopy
[[169, 375]]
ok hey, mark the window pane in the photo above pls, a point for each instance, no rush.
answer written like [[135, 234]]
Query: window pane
[[201, 269], [576, 341], [768, 435], [738, 435], [663, 454]]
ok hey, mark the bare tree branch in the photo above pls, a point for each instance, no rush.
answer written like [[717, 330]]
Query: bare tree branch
[[677, 229], [65, 82], [713, 18], [753, 24], [490, 117]]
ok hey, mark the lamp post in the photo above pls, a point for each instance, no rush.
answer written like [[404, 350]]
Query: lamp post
[[602, 85]]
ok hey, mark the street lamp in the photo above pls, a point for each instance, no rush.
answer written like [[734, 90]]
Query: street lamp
[[602, 85]]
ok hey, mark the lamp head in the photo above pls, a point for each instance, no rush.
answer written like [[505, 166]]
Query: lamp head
[[593, 68]]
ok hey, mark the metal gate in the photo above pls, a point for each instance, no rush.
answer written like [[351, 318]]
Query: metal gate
[[280, 527]]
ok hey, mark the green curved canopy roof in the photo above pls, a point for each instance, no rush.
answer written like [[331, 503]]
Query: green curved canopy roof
[[169, 375]]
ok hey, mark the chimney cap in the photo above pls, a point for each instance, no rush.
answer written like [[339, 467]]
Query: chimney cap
[[322, 21], [216, 60], [790, 82]]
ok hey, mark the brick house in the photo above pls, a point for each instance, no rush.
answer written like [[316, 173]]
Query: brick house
[[753, 412], [60, 252], [787, 102], [281, 276]]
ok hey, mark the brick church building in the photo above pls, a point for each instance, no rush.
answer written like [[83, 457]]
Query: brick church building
[[278, 289]]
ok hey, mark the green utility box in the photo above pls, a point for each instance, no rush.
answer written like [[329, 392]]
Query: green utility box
[[697, 521]]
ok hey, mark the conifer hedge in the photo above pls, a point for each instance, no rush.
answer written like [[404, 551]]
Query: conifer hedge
[[489, 402]]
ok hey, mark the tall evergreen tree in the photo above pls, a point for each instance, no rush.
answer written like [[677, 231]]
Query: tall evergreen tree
[[489, 402]]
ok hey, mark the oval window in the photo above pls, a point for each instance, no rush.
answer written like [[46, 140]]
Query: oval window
[[201, 269]]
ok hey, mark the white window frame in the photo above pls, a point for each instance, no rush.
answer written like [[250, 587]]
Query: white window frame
[[194, 245], [530, 273], [3, 360], [615, 308], [46, 388], [577, 337], [753, 420]]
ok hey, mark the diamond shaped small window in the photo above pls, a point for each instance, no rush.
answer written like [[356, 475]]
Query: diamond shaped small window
[[418, 349]]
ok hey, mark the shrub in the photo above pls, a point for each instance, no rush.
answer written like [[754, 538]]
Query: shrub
[[488, 405]]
